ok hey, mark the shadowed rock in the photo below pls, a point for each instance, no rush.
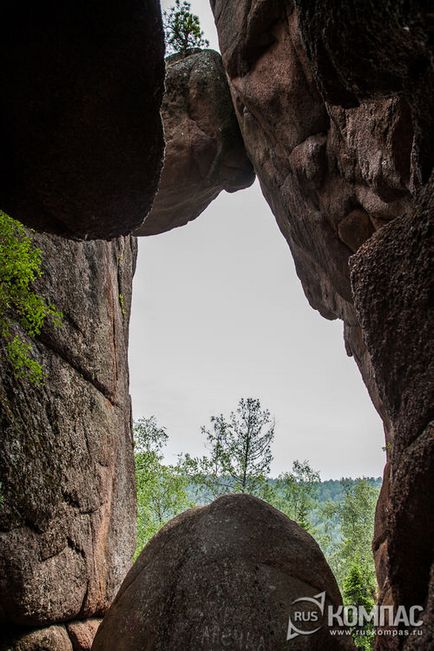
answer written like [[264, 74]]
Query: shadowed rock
[[53, 638], [80, 128], [74, 636], [221, 576], [205, 153]]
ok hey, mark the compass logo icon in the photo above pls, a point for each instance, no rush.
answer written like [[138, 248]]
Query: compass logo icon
[[310, 613]]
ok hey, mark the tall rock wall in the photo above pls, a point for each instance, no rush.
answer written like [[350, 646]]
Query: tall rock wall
[[335, 108], [393, 281], [67, 510]]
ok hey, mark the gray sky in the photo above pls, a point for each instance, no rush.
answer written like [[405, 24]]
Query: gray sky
[[219, 314]]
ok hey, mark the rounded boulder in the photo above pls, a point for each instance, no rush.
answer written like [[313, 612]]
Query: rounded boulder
[[225, 576]]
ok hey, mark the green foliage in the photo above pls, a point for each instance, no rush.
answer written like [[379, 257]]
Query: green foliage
[[333, 489], [239, 452], [356, 591], [355, 514], [161, 490], [295, 493], [182, 29], [20, 266], [340, 514], [345, 535], [359, 591], [149, 436]]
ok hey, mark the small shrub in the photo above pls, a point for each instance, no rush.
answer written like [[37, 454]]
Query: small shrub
[[20, 266]]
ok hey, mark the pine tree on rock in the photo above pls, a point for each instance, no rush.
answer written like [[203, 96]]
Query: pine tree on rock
[[182, 29]]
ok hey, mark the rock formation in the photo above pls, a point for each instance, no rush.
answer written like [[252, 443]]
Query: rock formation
[[340, 136], [67, 517], [393, 280], [334, 106], [392, 57], [80, 127], [67, 510], [204, 150], [331, 176], [221, 576]]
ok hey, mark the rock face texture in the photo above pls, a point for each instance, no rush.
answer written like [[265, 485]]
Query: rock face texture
[[331, 176], [221, 576], [393, 280], [334, 102], [205, 153], [82, 634], [371, 50], [67, 510], [80, 127]]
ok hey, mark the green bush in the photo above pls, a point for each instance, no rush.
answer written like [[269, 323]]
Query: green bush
[[20, 266]]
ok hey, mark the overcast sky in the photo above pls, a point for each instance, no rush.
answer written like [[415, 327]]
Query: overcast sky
[[219, 314]]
